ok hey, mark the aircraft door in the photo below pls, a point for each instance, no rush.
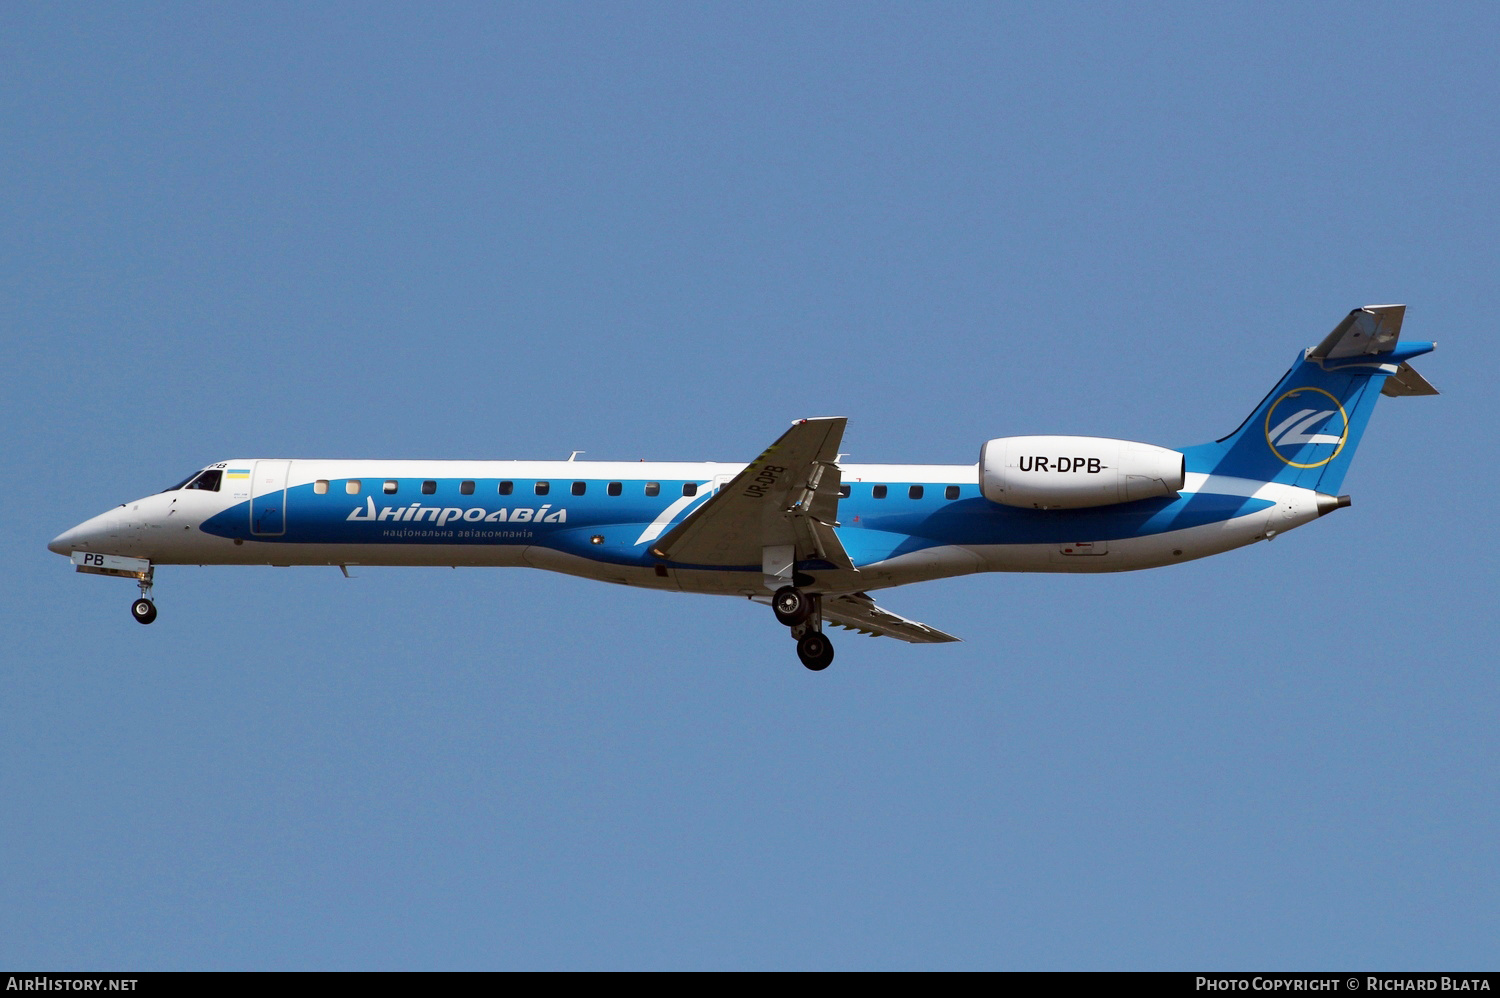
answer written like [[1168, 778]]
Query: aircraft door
[[268, 498]]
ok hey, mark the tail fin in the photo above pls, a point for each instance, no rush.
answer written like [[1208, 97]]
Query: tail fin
[[1306, 430]]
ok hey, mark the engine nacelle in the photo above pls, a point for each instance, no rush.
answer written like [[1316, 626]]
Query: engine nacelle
[[1076, 472]]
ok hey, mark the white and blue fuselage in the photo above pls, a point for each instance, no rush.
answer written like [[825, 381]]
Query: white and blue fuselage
[[898, 523], [794, 528]]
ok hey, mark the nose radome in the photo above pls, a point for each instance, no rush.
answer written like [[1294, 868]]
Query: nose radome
[[62, 544], [80, 537]]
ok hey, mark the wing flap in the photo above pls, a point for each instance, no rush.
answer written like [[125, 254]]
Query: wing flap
[[817, 539]]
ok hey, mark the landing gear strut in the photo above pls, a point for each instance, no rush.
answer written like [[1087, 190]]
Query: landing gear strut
[[143, 609], [803, 613]]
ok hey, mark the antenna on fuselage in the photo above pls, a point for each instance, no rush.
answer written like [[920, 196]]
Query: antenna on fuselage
[[575, 454]]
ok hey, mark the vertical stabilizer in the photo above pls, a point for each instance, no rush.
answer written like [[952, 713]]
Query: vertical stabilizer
[[1306, 430]]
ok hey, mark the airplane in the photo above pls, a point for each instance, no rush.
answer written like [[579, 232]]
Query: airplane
[[795, 529]]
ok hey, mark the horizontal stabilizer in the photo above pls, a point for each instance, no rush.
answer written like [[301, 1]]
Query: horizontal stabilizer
[[1407, 382], [1367, 330]]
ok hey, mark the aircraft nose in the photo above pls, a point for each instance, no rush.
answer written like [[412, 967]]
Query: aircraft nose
[[82, 537], [63, 543]]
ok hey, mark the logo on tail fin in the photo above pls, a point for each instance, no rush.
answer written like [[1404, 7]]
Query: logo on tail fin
[[1303, 431]]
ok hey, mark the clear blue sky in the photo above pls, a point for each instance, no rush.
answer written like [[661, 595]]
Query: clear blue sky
[[663, 232]]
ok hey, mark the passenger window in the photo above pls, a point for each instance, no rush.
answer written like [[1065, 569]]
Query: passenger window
[[579, 488], [542, 488], [614, 488], [352, 486], [465, 488], [690, 489], [951, 492], [915, 492], [428, 488], [506, 488], [320, 487], [844, 491], [878, 492], [390, 486], [653, 488]]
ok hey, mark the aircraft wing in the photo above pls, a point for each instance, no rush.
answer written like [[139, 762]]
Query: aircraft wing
[[786, 501], [858, 612]]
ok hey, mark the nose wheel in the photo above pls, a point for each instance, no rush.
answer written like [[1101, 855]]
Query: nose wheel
[[803, 613], [143, 610]]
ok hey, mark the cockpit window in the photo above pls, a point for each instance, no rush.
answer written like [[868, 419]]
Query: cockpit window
[[208, 481]]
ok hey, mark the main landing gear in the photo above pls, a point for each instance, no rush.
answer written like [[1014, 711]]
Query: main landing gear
[[803, 613], [815, 650], [143, 609]]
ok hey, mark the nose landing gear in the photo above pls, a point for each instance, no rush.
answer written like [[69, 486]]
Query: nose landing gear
[[143, 609], [803, 613]]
